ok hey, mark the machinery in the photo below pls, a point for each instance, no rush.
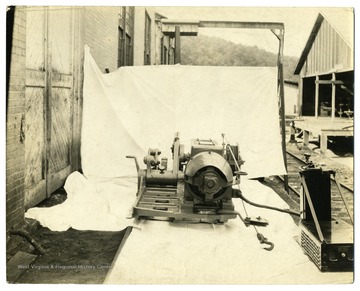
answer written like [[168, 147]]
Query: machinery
[[328, 242], [198, 188]]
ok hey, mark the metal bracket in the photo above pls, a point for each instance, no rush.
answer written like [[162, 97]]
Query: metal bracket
[[258, 221]]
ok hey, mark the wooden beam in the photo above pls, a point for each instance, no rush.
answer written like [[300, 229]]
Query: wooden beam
[[168, 25], [187, 28], [329, 82], [241, 24], [179, 22], [18, 264]]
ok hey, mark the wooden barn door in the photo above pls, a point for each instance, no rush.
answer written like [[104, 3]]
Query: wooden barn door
[[35, 108], [49, 101], [60, 102]]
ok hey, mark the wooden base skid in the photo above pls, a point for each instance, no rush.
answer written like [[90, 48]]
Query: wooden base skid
[[167, 203]]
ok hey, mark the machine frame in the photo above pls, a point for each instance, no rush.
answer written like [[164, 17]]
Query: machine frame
[[165, 194]]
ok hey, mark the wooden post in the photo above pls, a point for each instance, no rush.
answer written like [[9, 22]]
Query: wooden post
[[280, 36], [316, 97], [124, 37], [282, 118], [306, 137], [323, 143], [333, 92], [279, 33], [177, 45]]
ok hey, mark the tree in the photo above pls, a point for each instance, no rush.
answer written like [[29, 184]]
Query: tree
[[212, 51]]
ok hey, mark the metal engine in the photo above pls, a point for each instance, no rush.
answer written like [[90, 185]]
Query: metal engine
[[198, 188]]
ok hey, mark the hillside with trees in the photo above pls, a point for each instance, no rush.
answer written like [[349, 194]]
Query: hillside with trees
[[212, 51]]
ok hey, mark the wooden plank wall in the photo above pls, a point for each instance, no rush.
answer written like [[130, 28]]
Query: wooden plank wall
[[329, 52]]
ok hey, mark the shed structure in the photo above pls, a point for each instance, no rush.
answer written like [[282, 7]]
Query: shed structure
[[291, 96], [326, 83]]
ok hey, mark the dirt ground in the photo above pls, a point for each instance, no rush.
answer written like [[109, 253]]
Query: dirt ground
[[339, 157], [72, 256]]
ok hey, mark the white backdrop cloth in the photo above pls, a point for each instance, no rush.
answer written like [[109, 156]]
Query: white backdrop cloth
[[136, 108]]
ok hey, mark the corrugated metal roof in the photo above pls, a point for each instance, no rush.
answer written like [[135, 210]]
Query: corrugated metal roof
[[342, 20]]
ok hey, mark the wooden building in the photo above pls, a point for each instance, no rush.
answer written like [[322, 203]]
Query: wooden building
[[326, 83]]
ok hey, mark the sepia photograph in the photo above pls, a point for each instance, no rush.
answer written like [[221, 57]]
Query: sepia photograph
[[172, 144]]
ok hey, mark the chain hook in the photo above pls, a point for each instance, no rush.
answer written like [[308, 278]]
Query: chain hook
[[264, 240]]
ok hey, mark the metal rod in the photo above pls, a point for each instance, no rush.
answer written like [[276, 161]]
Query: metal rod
[[233, 156], [136, 162]]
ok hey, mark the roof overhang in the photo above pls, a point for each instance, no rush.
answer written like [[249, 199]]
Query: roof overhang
[[309, 44]]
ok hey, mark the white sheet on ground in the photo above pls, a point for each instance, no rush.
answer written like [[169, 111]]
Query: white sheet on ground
[[179, 253], [97, 204]]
